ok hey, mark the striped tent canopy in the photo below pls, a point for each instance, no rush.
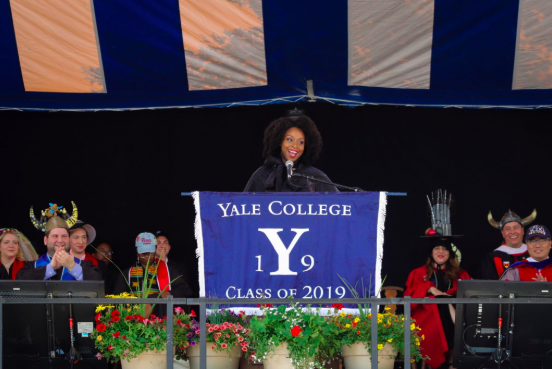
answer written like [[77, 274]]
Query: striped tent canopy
[[120, 54]]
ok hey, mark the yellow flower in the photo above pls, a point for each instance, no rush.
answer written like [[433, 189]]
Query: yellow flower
[[417, 342], [347, 326], [423, 336], [387, 308], [402, 318], [343, 314], [418, 328], [357, 319], [380, 346], [99, 338], [412, 326], [100, 308], [412, 360], [390, 340], [129, 310]]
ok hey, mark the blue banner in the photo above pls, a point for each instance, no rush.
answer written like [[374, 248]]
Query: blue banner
[[274, 245]]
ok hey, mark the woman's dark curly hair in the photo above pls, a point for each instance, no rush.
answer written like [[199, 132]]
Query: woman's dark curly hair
[[274, 135]]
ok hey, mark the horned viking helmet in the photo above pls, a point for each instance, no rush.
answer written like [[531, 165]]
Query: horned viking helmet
[[510, 216], [50, 218]]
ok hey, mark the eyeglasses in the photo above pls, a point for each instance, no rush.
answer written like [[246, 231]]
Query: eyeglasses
[[541, 241], [106, 252]]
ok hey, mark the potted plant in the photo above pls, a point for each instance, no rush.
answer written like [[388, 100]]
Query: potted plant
[[126, 331], [227, 339], [292, 337], [355, 334], [122, 333]]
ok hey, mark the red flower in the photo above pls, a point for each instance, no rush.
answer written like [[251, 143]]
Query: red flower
[[100, 327], [152, 316], [295, 331], [115, 313], [139, 318], [116, 334], [128, 317], [338, 306], [178, 321], [114, 319], [193, 314], [224, 345], [110, 347], [98, 316], [244, 348], [124, 337]]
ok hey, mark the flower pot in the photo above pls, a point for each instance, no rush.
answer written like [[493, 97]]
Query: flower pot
[[181, 364], [215, 360], [279, 359], [357, 357], [146, 360]]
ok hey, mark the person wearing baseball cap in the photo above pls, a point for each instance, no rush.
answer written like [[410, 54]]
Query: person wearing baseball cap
[[538, 267], [165, 279]]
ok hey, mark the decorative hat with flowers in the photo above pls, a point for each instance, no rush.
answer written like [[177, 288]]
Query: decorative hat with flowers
[[310, 337], [122, 333], [225, 330]]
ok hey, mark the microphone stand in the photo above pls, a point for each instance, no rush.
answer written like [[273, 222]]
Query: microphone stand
[[341, 187]]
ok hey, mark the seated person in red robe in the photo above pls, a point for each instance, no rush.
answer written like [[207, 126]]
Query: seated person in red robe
[[538, 267], [438, 278]]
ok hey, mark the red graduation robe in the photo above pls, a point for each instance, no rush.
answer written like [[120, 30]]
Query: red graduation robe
[[427, 316]]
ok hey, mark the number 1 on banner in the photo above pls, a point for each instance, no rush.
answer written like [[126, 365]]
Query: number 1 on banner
[[259, 264]]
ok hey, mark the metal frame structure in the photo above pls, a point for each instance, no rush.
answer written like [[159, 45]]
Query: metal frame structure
[[203, 302]]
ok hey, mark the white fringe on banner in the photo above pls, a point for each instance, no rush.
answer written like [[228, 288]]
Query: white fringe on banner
[[382, 212], [199, 251]]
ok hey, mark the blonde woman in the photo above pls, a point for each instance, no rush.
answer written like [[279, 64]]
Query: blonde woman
[[15, 249]]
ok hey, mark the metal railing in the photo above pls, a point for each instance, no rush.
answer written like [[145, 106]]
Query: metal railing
[[203, 302]]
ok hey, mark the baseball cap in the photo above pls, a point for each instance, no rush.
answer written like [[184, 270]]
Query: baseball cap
[[146, 242], [537, 230]]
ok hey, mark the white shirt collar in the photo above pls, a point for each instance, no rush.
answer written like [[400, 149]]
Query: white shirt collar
[[534, 261], [511, 250]]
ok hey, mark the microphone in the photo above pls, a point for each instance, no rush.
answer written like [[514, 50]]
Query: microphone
[[289, 166]]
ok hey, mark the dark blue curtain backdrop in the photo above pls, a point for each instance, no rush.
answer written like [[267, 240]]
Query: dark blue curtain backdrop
[[126, 170]]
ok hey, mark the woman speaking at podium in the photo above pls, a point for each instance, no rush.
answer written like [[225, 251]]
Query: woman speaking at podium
[[294, 139]]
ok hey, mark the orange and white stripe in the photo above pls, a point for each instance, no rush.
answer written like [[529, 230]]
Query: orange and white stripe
[[58, 46], [533, 62], [223, 43], [390, 43]]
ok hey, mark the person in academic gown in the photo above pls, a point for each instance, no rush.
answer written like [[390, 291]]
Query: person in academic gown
[[437, 279], [166, 277], [538, 267], [294, 139], [15, 249], [511, 251], [58, 263]]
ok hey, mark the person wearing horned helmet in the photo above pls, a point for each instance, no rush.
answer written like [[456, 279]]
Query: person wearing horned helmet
[[57, 263], [511, 251]]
